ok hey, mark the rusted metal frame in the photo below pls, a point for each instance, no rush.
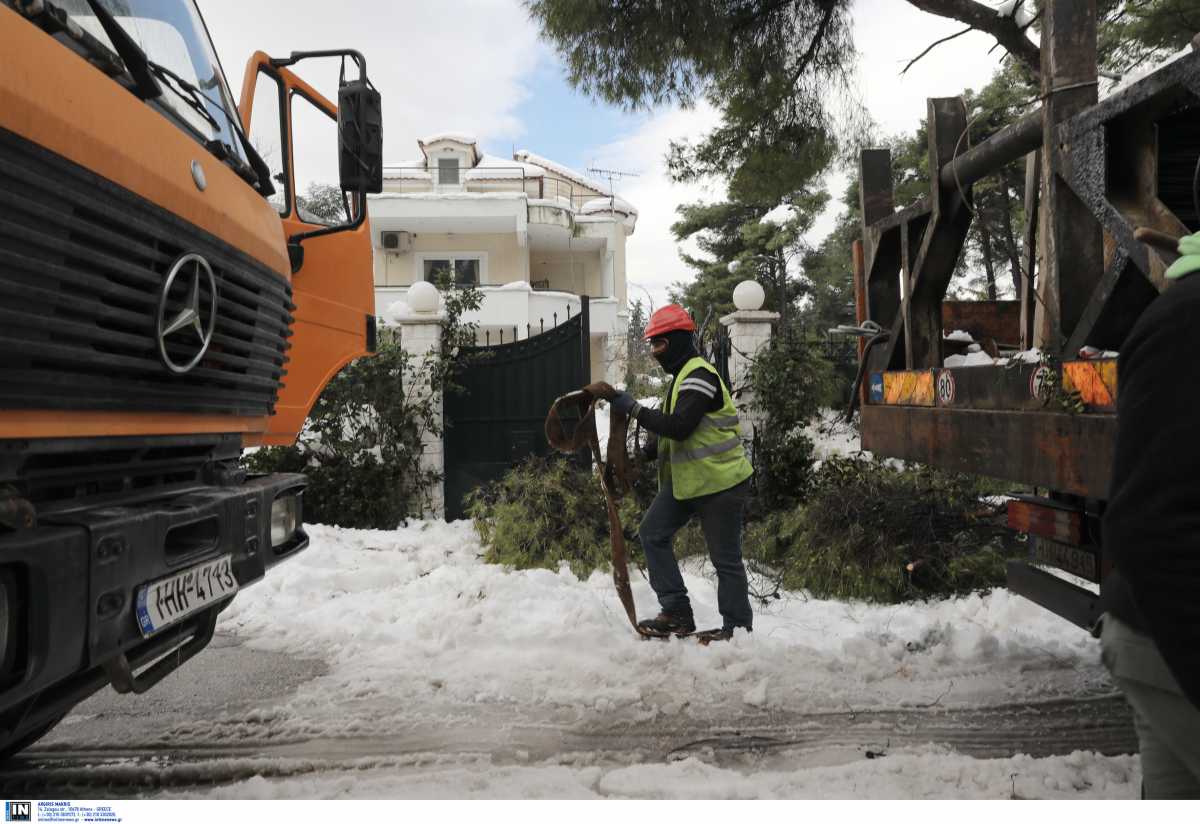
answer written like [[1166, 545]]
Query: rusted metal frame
[[1028, 296], [1110, 166], [1072, 453], [929, 272], [1098, 301], [1072, 243], [1005, 146], [909, 214], [1074, 603], [859, 272]]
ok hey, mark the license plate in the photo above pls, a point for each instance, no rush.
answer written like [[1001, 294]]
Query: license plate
[[169, 600], [1075, 560]]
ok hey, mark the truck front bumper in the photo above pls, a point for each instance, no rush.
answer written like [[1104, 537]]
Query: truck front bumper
[[70, 584]]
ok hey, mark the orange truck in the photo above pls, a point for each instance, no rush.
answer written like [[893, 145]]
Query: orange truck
[[165, 302]]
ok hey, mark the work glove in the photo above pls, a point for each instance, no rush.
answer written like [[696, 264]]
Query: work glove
[[623, 402], [650, 450], [601, 390]]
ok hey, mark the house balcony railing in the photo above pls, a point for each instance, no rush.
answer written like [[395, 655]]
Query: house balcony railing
[[484, 179], [530, 312]]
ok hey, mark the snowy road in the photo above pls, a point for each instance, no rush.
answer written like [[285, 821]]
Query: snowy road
[[397, 664]]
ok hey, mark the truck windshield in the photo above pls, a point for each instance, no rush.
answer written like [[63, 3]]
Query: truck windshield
[[181, 57]]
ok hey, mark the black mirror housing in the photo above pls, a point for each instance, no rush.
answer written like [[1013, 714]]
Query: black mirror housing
[[360, 137]]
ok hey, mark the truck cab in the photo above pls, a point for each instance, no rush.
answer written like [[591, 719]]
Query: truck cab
[[165, 302]]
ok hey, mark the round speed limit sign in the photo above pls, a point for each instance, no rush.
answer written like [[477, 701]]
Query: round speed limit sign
[[945, 387], [1040, 383]]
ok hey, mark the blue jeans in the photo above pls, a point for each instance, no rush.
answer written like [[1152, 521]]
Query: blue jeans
[[721, 520]]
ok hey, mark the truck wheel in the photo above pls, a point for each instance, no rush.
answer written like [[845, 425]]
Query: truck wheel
[[9, 748]]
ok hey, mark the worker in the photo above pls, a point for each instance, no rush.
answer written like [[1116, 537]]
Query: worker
[[702, 472], [1150, 630]]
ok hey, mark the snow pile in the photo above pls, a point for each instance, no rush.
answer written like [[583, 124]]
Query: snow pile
[[959, 335], [474, 679], [975, 356], [416, 613], [970, 359], [515, 286], [833, 436], [780, 215], [927, 772]]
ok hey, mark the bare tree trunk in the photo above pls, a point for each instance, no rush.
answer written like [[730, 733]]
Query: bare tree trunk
[[985, 242], [1011, 249], [781, 269]]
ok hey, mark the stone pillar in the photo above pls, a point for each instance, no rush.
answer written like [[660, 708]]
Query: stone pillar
[[421, 320], [749, 330]]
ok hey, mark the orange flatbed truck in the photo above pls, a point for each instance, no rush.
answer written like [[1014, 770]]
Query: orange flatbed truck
[[1112, 183], [164, 304]]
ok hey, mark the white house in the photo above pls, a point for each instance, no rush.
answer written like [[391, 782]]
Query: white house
[[531, 234]]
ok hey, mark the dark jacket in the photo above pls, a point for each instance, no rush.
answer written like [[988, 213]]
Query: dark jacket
[[1151, 527]]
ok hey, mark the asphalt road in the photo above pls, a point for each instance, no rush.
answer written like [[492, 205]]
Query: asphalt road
[[179, 736]]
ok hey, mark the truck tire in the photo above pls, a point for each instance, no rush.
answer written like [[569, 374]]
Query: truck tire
[[9, 748]]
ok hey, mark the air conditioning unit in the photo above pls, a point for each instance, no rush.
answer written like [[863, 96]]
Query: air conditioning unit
[[396, 241]]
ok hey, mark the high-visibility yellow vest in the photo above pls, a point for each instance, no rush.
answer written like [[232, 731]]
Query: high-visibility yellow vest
[[709, 460]]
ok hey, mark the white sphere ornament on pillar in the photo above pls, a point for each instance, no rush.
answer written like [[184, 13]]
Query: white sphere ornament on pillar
[[748, 296], [423, 298]]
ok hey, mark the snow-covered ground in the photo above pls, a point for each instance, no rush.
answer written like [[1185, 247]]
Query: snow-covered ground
[[422, 637]]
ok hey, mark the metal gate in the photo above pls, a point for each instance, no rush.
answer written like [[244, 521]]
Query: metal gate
[[499, 419]]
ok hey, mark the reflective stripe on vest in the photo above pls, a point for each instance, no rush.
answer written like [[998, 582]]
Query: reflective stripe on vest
[[711, 459]]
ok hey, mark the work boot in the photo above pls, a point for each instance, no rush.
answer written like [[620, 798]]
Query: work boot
[[668, 624], [707, 636]]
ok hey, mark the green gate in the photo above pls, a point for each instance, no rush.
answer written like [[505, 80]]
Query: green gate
[[499, 420]]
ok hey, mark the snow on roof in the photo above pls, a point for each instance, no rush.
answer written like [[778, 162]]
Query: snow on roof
[[780, 215], [558, 169], [454, 137], [491, 167], [601, 205]]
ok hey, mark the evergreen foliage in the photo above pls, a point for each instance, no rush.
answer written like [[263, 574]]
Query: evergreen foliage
[[771, 68], [361, 445], [863, 522], [790, 383]]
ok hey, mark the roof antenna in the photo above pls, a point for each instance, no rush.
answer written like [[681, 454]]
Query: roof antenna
[[611, 174]]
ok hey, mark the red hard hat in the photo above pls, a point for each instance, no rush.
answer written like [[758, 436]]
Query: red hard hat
[[668, 319]]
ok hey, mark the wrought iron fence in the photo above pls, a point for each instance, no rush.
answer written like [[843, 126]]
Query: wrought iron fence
[[498, 336]]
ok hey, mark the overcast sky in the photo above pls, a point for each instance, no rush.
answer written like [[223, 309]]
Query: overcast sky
[[478, 66]]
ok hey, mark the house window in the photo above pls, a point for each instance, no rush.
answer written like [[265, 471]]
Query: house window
[[448, 171], [463, 270]]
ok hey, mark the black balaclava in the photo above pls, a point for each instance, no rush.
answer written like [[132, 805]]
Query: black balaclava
[[680, 349]]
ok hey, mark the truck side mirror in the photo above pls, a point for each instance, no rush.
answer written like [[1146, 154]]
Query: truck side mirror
[[360, 138]]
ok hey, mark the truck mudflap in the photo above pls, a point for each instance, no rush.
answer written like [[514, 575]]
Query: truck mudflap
[[71, 585]]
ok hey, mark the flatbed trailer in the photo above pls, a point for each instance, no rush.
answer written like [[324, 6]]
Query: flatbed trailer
[[1103, 177]]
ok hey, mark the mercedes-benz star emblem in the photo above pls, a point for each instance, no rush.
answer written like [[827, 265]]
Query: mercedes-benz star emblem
[[187, 313]]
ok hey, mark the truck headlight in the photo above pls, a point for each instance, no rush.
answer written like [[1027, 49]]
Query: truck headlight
[[285, 519]]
